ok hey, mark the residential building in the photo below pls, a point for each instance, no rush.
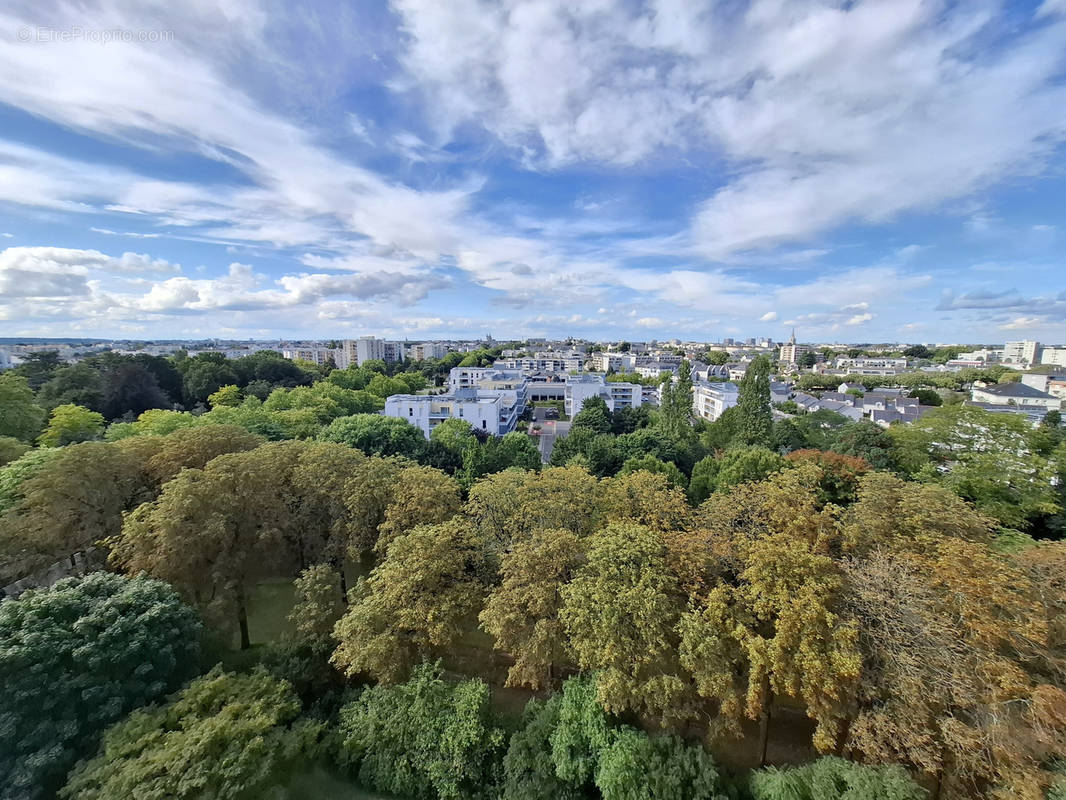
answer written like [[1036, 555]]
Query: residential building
[[870, 366], [1054, 385], [367, 348], [580, 388], [496, 414], [491, 382], [1024, 352], [1014, 394], [619, 362], [427, 350], [790, 351], [1053, 355], [316, 355], [709, 400]]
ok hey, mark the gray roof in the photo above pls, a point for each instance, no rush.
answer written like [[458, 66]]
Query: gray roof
[[1014, 390]]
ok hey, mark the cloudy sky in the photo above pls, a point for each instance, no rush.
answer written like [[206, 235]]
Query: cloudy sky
[[869, 170]]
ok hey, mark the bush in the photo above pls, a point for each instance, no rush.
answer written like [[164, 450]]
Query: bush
[[832, 778]]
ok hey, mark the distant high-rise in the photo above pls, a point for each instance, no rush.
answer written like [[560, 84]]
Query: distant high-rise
[[790, 351]]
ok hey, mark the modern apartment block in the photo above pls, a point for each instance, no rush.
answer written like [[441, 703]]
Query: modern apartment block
[[1024, 352], [316, 355], [421, 352], [580, 388], [493, 414], [709, 400], [489, 399], [367, 348]]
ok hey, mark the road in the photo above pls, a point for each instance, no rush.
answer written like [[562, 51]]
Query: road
[[550, 430]]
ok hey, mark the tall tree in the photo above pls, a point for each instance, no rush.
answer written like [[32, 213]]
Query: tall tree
[[675, 407], [417, 601], [620, 612], [69, 424], [20, 416], [522, 612], [424, 738], [754, 417], [77, 657]]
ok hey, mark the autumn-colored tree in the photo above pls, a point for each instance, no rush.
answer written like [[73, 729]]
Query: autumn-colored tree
[[508, 506], [211, 530], [193, 448], [430, 584], [74, 501], [775, 593], [418, 496], [620, 612], [840, 473], [951, 637], [903, 514], [522, 612], [646, 498]]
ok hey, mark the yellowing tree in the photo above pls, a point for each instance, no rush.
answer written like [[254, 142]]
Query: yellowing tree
[[522, 613], [416, 602], [620, 612]]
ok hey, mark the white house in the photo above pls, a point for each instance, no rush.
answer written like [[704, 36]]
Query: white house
[[496, 415], [1015, 394]]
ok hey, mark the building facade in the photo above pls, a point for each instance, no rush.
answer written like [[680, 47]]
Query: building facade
[[709, 400]]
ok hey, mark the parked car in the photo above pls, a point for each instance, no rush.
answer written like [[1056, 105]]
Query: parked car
[[551, 413]]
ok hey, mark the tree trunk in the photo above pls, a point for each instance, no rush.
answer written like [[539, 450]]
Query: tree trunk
[[764, 728], [339, 564], [242, 619]]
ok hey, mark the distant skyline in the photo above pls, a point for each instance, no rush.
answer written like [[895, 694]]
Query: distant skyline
[[879, 171]]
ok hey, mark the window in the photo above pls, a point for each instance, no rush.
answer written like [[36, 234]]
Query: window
[[410, 412], [484, 424]]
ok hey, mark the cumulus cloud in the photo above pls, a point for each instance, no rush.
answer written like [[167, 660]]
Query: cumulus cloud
[[769, 316]]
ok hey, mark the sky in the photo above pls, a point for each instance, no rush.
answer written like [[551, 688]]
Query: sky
[[860, 170]]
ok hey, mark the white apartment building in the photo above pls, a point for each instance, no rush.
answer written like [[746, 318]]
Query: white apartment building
[[316, 355], [656, 369], [426, 350], [491, 382], [709, 400], [496, 415], [870, 366], [543, 362], [1024, 352], [790, 351], [367, 348], [580, 388], [619, 362], [1053, 355]]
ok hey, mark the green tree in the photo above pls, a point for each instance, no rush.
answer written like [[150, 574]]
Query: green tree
[[424, 738], [675, 408], [226, 736], [754, 417], [415, 603], [865, 440], [512, 450], [652, 464], [593, 415], [202, 378], [832, 778], [376, 435], [70, 424], [10, 450], [20, 416], [80, 384], [529, 766], [15, 473], [927, 397], [918, 351], [635, 766], [716, 357], [37, 368], [226, 396], [732, 468], [77, 657]]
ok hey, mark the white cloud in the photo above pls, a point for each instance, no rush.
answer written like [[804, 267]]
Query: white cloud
[[859, 319], [769, 316], [795, 94]]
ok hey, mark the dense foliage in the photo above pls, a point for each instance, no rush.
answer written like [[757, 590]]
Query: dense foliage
[[74, 659]]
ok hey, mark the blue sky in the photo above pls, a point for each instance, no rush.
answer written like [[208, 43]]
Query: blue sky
[[878, 170]]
